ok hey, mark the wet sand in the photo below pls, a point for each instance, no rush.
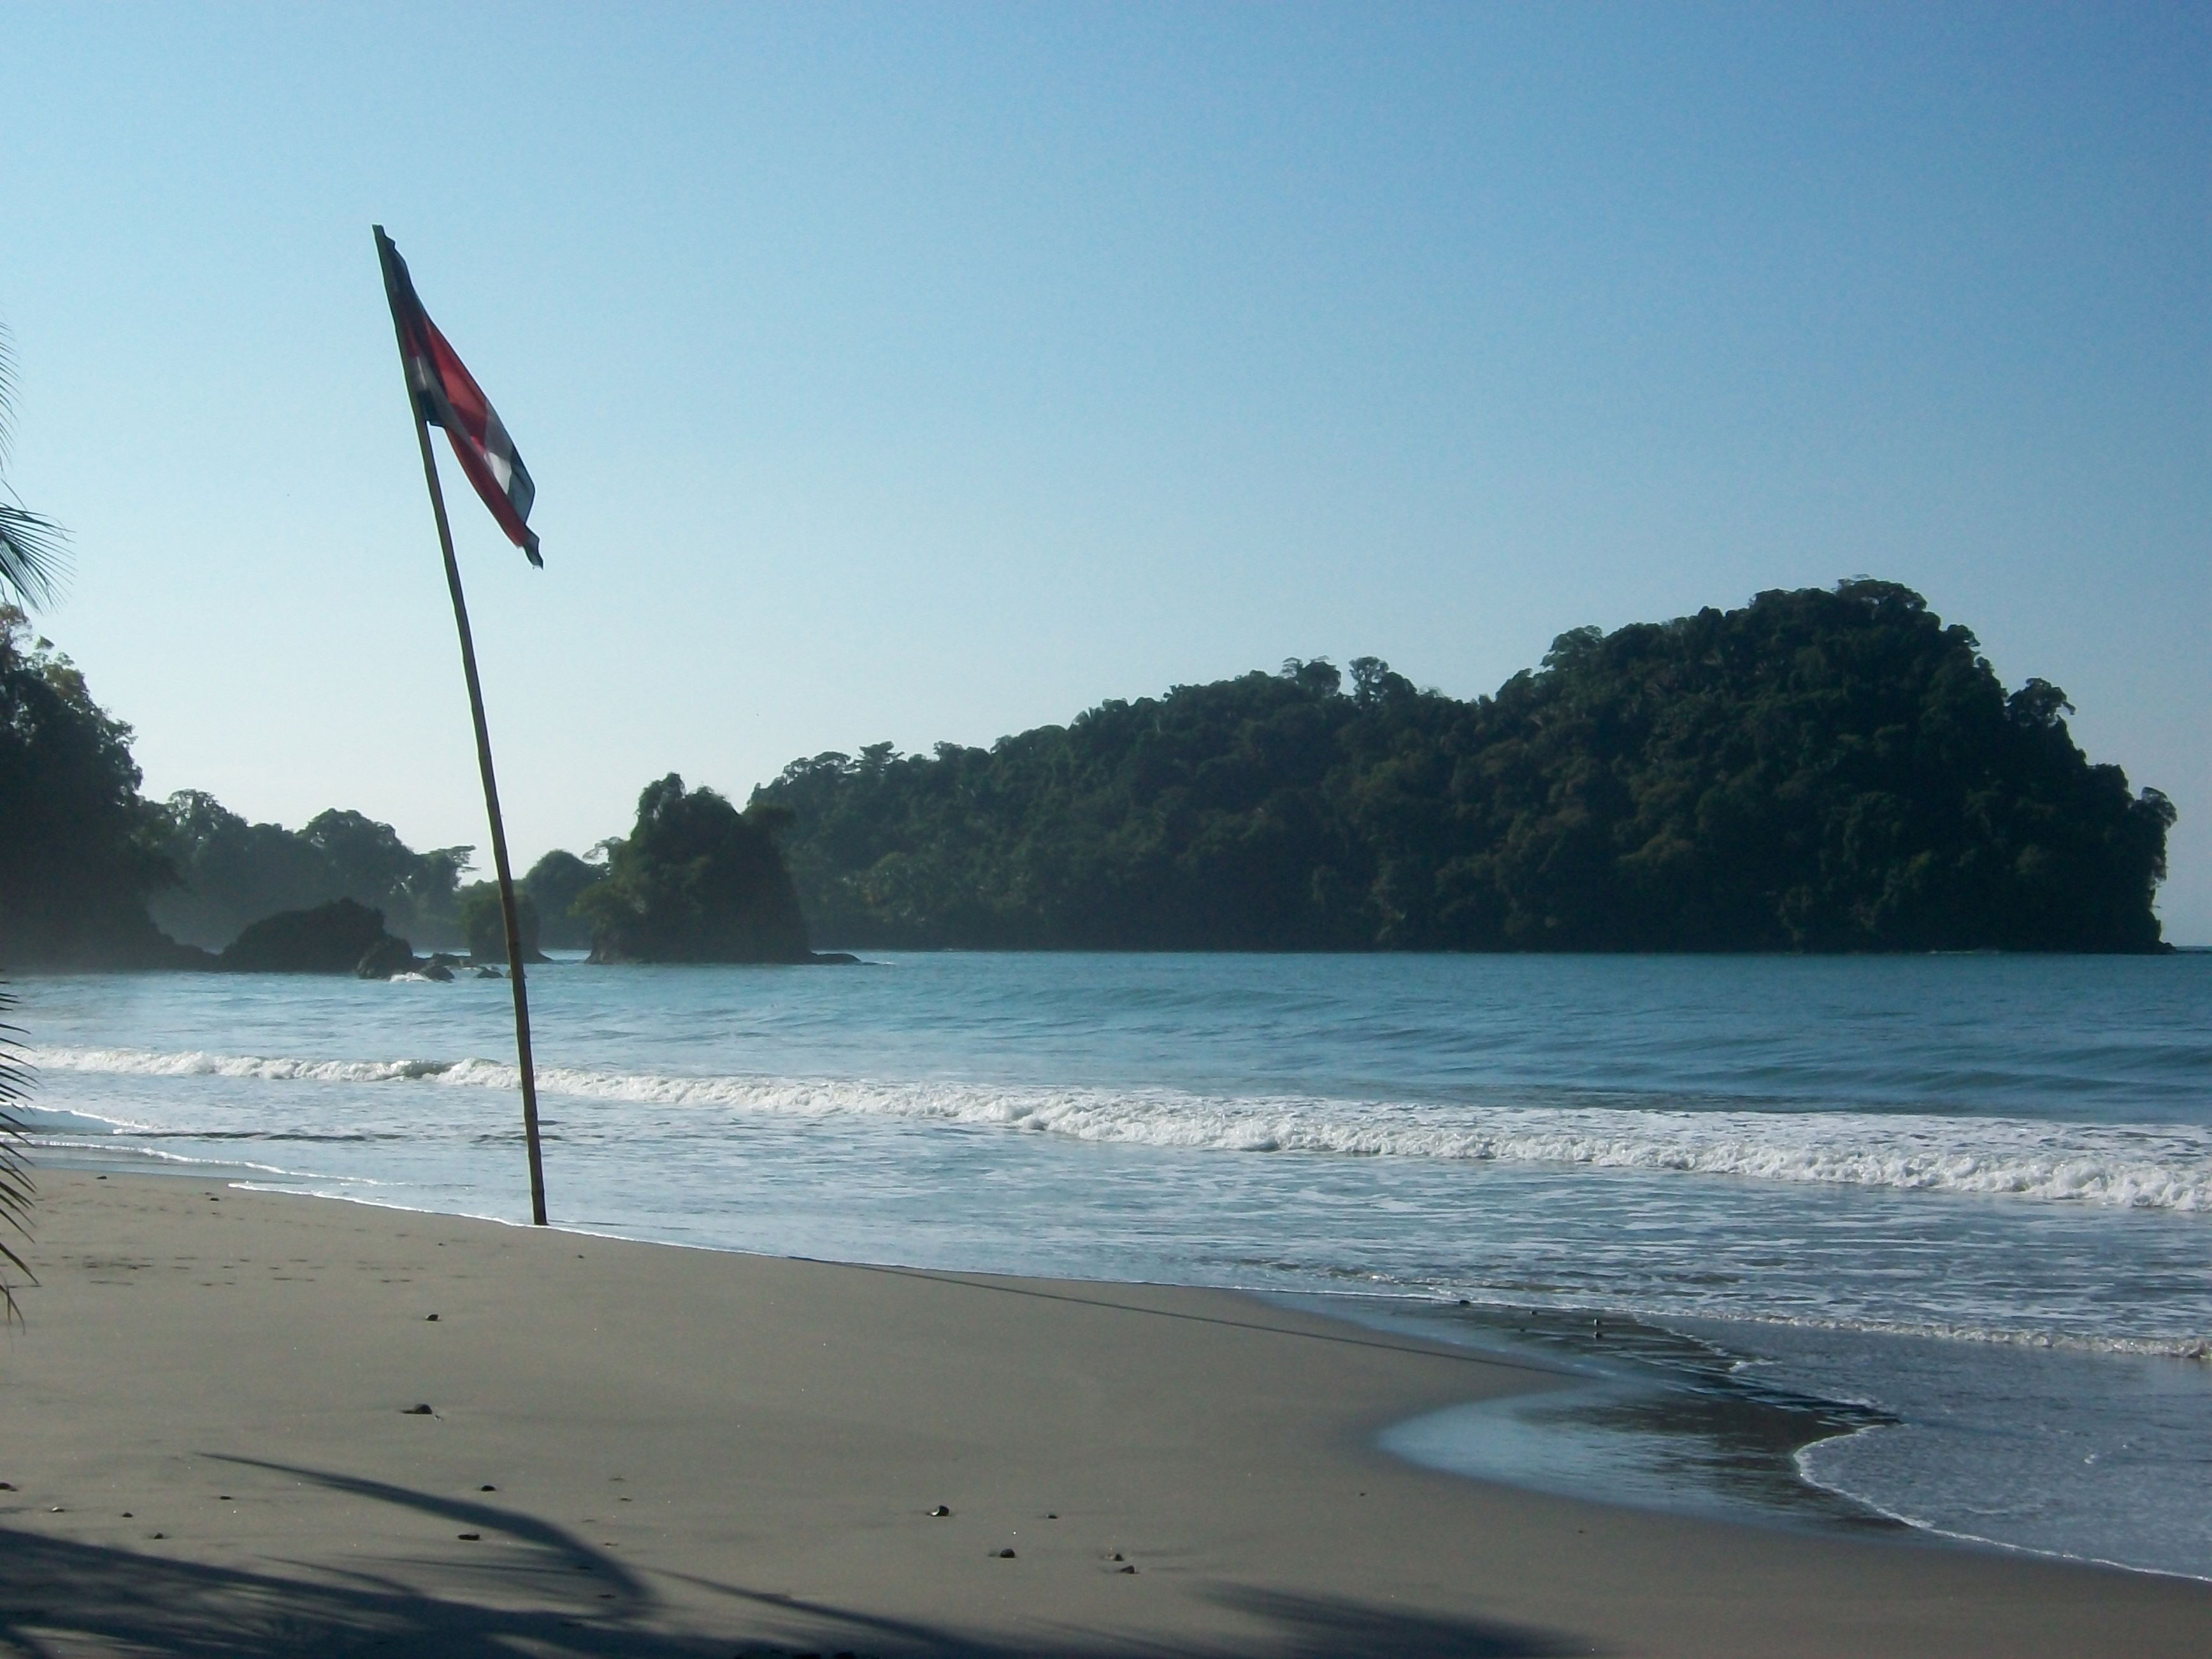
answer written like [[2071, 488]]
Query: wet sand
[[208, 1427]]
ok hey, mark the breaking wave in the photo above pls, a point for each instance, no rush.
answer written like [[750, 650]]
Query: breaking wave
[[2155, 1167]]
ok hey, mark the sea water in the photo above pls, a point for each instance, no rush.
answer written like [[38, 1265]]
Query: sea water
[[1926, 1240]]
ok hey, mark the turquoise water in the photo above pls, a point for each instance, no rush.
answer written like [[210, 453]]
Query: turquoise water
[[1967, 1198]]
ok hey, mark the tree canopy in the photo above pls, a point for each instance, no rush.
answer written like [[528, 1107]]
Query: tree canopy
[[230, 872], [80, 850], [1820, 770], [554, 884], [696, 880], [483, 924]]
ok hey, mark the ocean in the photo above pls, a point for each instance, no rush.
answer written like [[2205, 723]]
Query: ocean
[[1856, 1242]]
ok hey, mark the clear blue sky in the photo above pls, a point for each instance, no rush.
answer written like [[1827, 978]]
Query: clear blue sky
[[920, 372]]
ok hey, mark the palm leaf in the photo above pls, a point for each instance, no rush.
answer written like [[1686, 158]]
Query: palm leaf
[[34, 552], [33, 557], [16, 1190]]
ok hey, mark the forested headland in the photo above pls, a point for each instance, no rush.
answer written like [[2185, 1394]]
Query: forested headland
[[1820, 770]]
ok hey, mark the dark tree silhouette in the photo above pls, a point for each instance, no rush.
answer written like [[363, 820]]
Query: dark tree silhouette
[[695, 881], [1820, 770]]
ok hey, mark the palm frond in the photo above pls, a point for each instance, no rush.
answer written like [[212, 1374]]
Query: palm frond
[[33, 551], [16, 1190], [33, 556], [7, 395]]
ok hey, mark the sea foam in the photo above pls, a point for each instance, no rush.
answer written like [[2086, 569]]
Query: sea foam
[[2139, 1166]]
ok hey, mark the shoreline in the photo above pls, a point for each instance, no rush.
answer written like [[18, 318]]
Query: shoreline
[[1703, 1477], [237, 1369]]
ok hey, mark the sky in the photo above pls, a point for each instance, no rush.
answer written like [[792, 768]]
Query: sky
[[922, 373]]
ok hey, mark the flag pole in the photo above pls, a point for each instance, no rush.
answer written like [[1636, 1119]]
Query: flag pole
[[490, 789]]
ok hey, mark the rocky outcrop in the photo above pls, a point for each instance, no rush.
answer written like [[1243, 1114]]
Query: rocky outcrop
[[388, 956], [330, 939]]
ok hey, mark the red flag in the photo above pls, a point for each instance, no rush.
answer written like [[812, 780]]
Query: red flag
[[447, 395]]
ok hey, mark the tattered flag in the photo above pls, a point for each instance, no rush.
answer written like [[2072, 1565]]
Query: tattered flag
[[448, 396]]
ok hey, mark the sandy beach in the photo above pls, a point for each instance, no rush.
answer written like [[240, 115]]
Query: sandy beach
[[212, 1434]]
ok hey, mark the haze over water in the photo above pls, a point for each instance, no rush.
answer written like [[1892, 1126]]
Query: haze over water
[[1970, 1197]]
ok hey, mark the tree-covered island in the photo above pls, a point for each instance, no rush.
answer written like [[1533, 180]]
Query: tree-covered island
[[1821, 770]]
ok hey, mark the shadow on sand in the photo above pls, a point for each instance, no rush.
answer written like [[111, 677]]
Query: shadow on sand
[[532, 1596]]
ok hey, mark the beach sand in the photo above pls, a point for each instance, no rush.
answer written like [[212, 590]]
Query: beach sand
[[635, 1449]]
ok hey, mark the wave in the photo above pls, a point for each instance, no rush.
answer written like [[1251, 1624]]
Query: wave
[[2153, 1167], [2157, 1347]]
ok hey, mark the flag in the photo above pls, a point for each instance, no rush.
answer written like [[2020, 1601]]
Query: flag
[[447, 395]]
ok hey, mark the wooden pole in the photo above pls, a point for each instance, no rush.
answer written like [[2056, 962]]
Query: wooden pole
[[491, 795]]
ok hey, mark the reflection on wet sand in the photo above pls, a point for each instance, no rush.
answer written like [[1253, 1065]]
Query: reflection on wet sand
[[1640, 1415]]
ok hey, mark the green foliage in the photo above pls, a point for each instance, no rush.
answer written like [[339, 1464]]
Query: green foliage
[[695, 881], [33, 550], [1818, 771], [483, 926], [371, 864], [555, 882], [231, 873], [80, 851]]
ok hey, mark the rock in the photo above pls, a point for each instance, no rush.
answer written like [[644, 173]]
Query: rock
[[1005, 1555], [436, 970], [485, 971], [330, 939], [940, 1511], [386, 957], [417, 1410]]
